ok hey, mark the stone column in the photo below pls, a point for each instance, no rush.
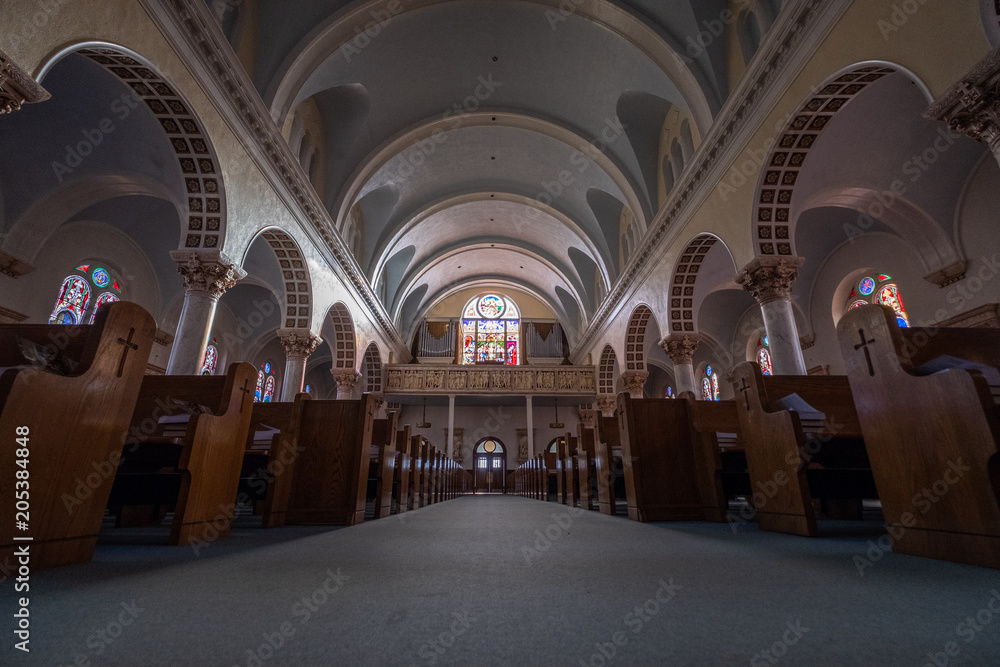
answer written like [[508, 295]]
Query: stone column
[[769, 278], [298, 344], [345, 378], [972, 106], [587, 416], [17, 87], [207, 276], [529, 411], [681, 348], [607, 404], [451, 426], [634, 382]]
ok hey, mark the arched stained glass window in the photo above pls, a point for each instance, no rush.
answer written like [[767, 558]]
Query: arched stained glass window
[[491, 331], [269, 389], [266, 384], [211, 363], [75, 305], [710, 384], [107, 297], [879, 289], [669, 393], [259, 392], [74, 297], [763, 355]]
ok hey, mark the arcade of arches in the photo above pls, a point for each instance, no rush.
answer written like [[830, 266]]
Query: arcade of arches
[[497, 225]]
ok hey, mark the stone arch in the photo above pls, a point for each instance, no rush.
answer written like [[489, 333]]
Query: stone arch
[[683, 318], [297, 281], [199, 164], [772, 211], [373, 369], [343, 343], [606, 375], [635, 339]]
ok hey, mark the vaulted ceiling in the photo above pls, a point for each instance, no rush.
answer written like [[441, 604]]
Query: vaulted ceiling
[[472, 142]]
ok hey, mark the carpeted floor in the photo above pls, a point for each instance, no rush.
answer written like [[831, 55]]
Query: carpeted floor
[[499, 580]]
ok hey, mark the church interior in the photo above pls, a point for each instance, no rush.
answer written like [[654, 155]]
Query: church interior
[[499, 332]]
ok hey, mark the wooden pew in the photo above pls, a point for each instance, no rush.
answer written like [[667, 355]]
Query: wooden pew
[[666, 474], [721, 473], [607, 437], [570, 471], [383, 462], [790, 465], [932, 440], [177, 454], [418, 458], [404, 469], [73, 428], [332, 470], [587, 464], [269, 463]]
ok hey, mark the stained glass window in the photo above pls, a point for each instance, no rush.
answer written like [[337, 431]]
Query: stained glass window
[[259, 392], [269, 389], [491, 331], [211, 360], [308, 390], [669, 393], [710, 385], [265, 384], [706, 389], [74, 296], [75, 305], [107, 297], [764, 359], [881, 291]]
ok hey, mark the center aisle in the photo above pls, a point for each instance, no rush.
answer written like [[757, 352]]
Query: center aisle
[[500, 580]]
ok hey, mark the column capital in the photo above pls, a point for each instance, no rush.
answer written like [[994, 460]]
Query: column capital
[[209, 272], [587, 416], [607, 403], [681, 347], [634, 382], [972, 106], [298, 343], [770, 277], [17, 87], [345, 378]]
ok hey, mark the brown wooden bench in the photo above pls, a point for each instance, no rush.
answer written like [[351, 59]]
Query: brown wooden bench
[[404, 469], [791, 464], [331, 473], [607, 442], [587, 463], [73, 423], [381, 469], [932, 440], [185, 449]]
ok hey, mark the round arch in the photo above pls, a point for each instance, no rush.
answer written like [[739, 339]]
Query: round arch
[[295, 273], [490, 465], [343, 343], [372, 369], [635, 338]]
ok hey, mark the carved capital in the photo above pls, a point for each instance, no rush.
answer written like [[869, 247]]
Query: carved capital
[[17, 87], [972, 106], [607, 403], [681, 347], [770, 278], [345, 379], [634, 382], [588, 416], [207, 272], [298, 343]]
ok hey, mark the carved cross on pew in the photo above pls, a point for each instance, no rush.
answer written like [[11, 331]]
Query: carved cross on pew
[[868, 357], [245, 391], [743, 390], [129, 346]]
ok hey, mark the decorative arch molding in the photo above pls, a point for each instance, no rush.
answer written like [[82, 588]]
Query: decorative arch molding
[[205, 208], [344, 26], [635, 338], [373, 369], [682, 315], [36, 225], [388, 247], [295, 273], [436, 126], [772, 211], [344, 342], [940, 257], [606, 376]]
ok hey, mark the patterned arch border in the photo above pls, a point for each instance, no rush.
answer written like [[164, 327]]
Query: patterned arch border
[[635, 340], [343, 328], [606, 371], [788, 157], [685, 277], [298, 295], [206, 202], [373, 369]]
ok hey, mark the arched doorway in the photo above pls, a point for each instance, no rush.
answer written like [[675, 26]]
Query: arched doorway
[[491, 466]]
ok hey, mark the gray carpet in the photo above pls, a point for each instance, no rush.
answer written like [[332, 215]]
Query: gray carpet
[[474, 581]]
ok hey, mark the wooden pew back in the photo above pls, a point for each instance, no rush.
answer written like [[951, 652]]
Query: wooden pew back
[[384, 459]]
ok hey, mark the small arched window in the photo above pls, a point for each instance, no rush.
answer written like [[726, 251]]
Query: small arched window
[[763, 355], [266, 383], [879, 289], [669, 393], [710, 384], [211, 362], [75, 303]]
